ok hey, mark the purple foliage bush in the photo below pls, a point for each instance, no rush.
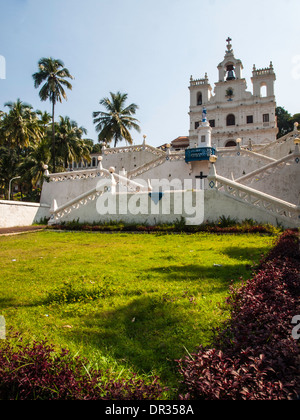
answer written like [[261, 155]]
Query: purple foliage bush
[[255, 356], [36, 372]]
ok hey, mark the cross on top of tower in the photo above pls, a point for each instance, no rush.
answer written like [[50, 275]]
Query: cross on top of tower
[[229, 46]]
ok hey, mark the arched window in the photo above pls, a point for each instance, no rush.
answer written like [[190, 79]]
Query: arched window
[[230, 143], [199, 98], [263, 90], [230, 120]]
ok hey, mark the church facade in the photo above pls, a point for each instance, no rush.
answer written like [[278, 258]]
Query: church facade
[[233, 112], [231, 164]]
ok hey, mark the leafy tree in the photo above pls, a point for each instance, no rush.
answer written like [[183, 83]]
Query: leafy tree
[[295, 118], [54, 74], [97, 148], [20, 127], [116, 123], [8, 168], [283, 121], [31, 168], [69, 143]]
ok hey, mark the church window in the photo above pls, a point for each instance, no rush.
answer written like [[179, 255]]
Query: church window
[[202, 139], [263, 90], [212, 123], [230, 120], [199, 99], [197, 125], [250, 119], [266, 118]]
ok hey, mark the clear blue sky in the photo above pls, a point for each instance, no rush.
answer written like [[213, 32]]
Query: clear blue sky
[[148, 49]]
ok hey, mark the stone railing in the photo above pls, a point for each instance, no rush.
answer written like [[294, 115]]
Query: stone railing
[[77, 175], [57, 213], [171, 156], [199, 82], [263, 72], [253, 197], [230, 152], [287, 138], [130, 149], [109, 185], [269, 169]]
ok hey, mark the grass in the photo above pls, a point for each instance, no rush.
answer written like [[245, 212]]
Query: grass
[[127, 302]]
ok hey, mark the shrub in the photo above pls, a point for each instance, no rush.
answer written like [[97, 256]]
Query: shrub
[[36, 372], [72, 292], [224, 225], [255, 356]]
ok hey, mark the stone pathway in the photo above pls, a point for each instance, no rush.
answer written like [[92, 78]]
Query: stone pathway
[[19, 230]]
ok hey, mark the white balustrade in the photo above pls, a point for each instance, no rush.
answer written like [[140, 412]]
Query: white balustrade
[[112, 179], [253, 197], [267, 170]]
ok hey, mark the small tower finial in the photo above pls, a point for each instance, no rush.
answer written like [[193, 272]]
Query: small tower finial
[[229, 46]]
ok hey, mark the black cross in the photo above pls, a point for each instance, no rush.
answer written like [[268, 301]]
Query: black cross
[[201, 176], [228, 40]]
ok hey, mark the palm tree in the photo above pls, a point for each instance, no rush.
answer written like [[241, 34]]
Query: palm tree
[[69, 143], [32, 167], [117, 121], [44, 119], [54, 74], [8, 168], [20, 126]]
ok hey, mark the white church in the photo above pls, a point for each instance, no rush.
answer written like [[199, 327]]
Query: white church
[[231, 164]]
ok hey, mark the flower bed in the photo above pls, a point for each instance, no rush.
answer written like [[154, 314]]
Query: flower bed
[[36, 372], [223, 225], [255, 356]]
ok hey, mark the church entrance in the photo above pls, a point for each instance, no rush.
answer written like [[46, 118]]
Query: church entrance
[[230, 143]]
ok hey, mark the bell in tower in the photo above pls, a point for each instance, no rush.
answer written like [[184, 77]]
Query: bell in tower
[[230, 73]]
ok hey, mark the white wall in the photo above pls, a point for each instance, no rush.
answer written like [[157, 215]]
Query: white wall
[[281, 181], [16, 213], [196, 206], [139, 208], [217, 204]]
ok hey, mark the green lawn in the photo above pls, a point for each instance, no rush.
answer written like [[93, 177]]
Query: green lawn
[[125, 301]]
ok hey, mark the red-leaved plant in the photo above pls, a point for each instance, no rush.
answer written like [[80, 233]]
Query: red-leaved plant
[[255, 356], [36, 372]]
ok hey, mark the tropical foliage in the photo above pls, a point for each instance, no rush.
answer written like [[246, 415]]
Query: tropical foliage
[[285, 121], [26, 143], [116, 123], [53, 74], [31, 140]]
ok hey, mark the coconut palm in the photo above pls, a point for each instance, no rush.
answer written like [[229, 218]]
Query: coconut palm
[[69, 143], [32, 168], [116, 123], [8, 168], [19, 126], [44, 119], [54, 74]]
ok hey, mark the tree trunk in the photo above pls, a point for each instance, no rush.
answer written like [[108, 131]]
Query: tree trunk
[[53, 137]]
